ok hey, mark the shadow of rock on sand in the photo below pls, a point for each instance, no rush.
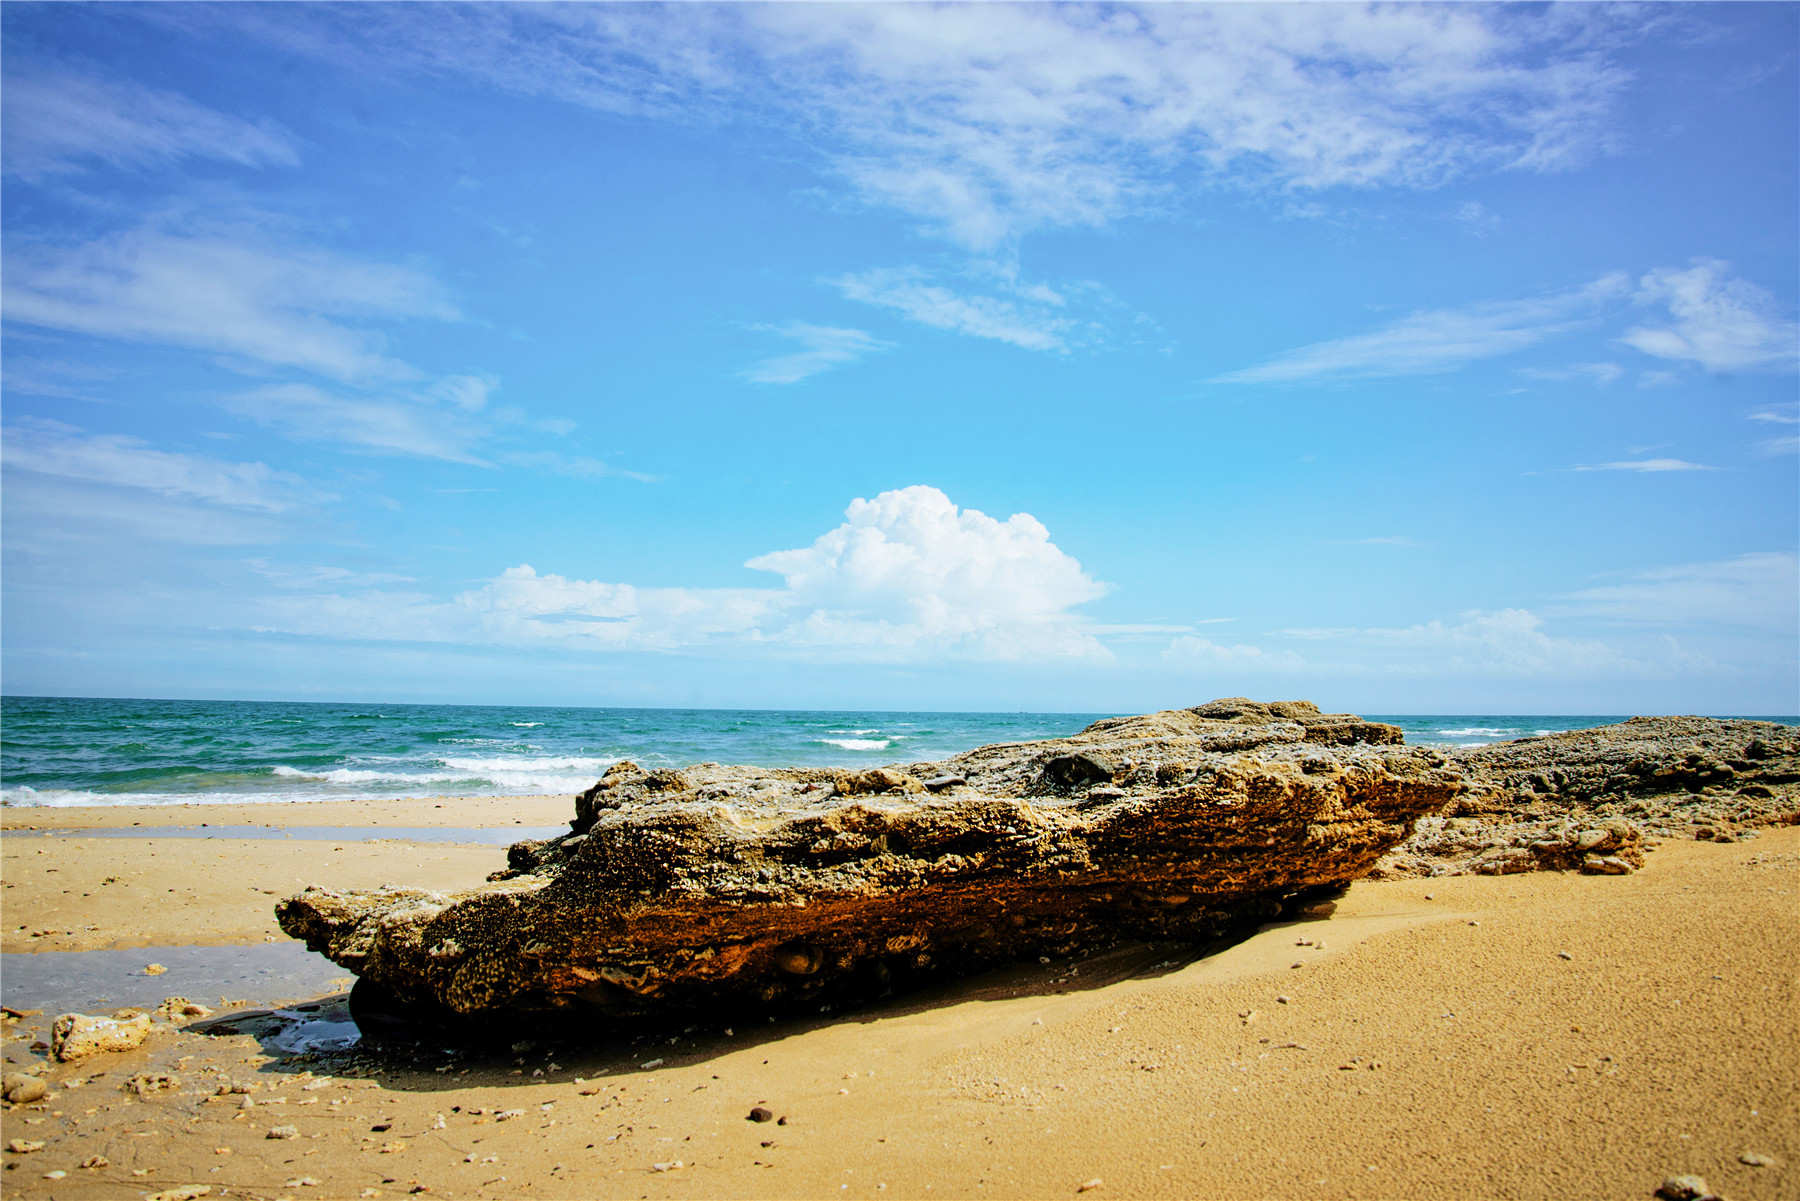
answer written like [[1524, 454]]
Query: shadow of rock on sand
[[321, 1036]]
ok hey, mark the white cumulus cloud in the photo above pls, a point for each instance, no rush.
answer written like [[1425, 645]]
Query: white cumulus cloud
[[906, 577]]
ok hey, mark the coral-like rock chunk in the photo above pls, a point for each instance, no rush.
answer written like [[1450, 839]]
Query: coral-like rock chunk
[[79, 1035], [772, 888]]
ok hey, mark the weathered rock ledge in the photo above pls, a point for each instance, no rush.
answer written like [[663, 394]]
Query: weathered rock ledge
[[1595, 799], [772, 888]]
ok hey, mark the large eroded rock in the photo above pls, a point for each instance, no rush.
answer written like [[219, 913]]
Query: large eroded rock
[[769, 888]]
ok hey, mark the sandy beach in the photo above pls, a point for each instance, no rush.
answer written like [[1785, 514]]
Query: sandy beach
[[1540, 1035]]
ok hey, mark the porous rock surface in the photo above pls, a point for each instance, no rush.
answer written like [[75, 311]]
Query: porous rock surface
[[773, 888], [79, 1035], [1595, 799]]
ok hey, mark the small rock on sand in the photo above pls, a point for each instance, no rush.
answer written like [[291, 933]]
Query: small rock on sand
[[148, 1084], [1088, 1185], [21, 1089], [283, 1132], [1686, 1188], [187, 1192], [1755, 1160], [154, 969], [25, 1146], [78, 1035], [759, 1114], [180, 1007]]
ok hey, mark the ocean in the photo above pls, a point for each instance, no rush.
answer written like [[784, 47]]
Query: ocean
[[61, 751]]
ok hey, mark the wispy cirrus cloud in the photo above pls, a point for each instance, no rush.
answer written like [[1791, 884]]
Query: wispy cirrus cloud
[[1721, 324], [822, 347], [415, 425], [983, 123], [55, 448], [1778, 416], [238, 294], [987, 299], [1438, 341], [1651, 466], [1760, 589], [60, 119], [1507, 642], [1598, 373], [1715, 321]]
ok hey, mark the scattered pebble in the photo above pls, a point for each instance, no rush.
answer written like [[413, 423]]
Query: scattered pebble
[[283, 1132], [1088, 1185], [1281, 1000], [654, 1063], [58, 1174], [759, 1114], [95, 1162], [25, 1146], [1564, 955], [672, 1165], [1685, 1188], [1755, 1160], [154, 969]]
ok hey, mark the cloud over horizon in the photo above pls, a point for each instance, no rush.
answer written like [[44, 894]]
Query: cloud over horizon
[[906, 577]]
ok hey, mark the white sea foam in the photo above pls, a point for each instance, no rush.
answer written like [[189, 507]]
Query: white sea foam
[[1480, 731], [526, 725], [858, 744], [25, 797], [854, 733]]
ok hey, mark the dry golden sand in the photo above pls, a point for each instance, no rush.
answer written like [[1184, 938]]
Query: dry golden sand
[[1667, 1042]]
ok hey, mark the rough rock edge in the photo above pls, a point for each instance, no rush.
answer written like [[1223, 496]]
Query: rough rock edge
[[776, 889], [1595, 799]]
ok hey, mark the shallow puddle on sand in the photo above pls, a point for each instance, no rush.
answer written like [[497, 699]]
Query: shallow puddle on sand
[[65, 981], [476, 835]]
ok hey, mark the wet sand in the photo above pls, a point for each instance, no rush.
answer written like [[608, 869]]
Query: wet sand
[[1431, 1048]]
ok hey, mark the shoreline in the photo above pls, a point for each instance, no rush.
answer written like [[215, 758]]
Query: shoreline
[[472, 811]]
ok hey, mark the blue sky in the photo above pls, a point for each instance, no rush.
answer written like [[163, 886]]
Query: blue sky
[[1411, 359]]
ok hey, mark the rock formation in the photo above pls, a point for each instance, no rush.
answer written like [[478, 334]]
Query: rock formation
[[1594, 799], [764, 889]]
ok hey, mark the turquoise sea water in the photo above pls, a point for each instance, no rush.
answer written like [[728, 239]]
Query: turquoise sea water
[[83, 751]]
